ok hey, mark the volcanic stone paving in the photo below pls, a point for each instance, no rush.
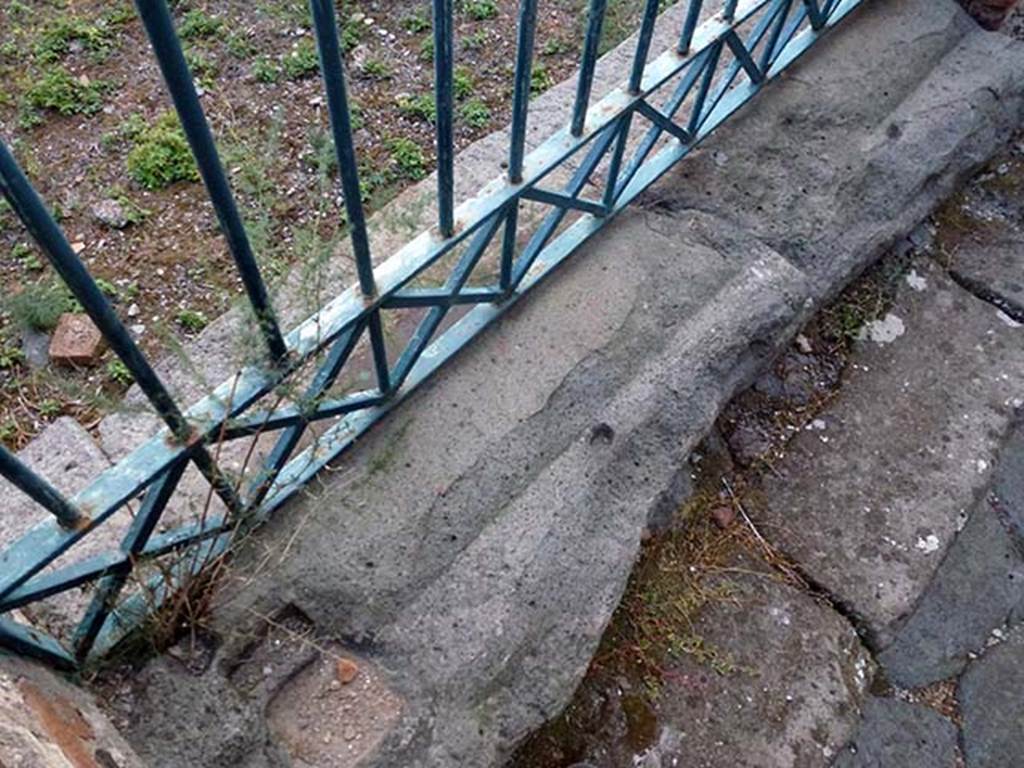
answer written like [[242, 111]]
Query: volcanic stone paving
[[905, 502]]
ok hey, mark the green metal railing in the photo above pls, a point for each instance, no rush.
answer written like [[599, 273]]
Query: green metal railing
[[681, 96]]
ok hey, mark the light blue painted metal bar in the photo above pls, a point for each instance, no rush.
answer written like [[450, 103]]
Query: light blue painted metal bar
[[690, 25], [333, 74], [227, 411], [38, 489], [585, 79], [156, 18], [444, 71]]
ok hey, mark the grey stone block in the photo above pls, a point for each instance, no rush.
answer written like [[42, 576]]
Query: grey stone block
[[895, 734], [993, 708]]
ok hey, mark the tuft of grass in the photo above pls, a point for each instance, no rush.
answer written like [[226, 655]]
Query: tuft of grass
[[378, 69], [417, 21], [197, 24], [56, 38], [161, 155], [408, 157], [426, 52], [191, 320], [475, 114], [118, 373], [540, 78], [39, 306], [480, 10], [422, 107], [302, 61], [475, 41], [463, 84], [266, 70], [56, 89]]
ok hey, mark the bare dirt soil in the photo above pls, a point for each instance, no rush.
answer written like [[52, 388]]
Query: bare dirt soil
[[83, 108]]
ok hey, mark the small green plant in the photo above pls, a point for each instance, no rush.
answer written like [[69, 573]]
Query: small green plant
[[56, 89], [107, 287], [10, 357], [377, 69], [118, 373], [409, 158], [417, 21], [422, 107], [161, 155], [556, 46], [50, 408], [301, 61], [24, 254], [462, 83], [475, 114], [266, 70], [55, 40], [475, 41], [239, 45], [351, 34], [426, 51], [540, 78], [39, 306], [480, 10], [198, 24], [204, 69], [193, 321]]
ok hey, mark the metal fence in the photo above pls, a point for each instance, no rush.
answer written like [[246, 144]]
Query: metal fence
[[619, 145]]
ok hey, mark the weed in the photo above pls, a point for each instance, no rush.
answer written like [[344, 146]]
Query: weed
[[417, 21], [422, 107], [480, 10], [540, 78], [39, 306], [203, 68], [191, 320], [56, 89], [427, 49], [475, 41], [107, 287], [409, 158], [266, 70], [56, 38], [351, 34], [301, 61], [24, 254], [462, 83], [475, 114], [377, 69], [161, 155], [198, 24], [50, 408], [239, 45], [10, 357], [118, 373], [556, 46]]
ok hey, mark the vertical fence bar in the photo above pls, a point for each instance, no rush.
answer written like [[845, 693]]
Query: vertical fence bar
[[132, 544], [730, 9], [156, 18], [344, 147], [517, 141], [521, 89], [690, 25], [443, 85], [643, 46], [44, 494], [33, 213], [595, 22]]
